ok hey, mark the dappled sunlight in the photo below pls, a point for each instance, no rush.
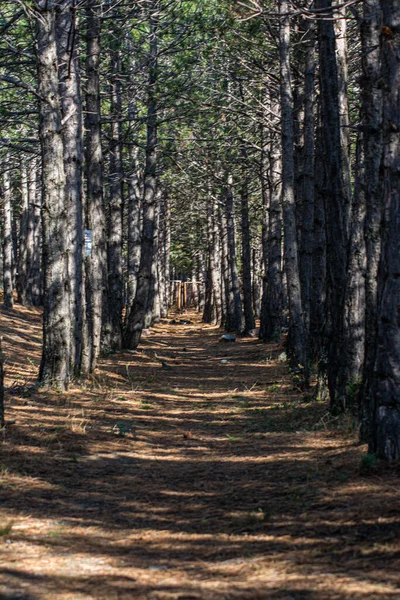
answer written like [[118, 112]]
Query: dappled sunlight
[[206, 481]]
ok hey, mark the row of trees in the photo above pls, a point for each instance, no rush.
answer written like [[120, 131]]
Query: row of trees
[[161, 123]]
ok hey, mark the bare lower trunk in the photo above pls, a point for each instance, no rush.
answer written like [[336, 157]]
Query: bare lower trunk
[[8, 250], [236, 318], [96, 261], [336, 203], [114, 246], [71, 107], [23, 256], [246, 251], [55, 365], [136, 318], [134, 230], [296, 340], [372, 122], [384, 385], [272, 308]]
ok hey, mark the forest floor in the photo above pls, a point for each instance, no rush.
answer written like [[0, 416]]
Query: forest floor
[[213, 479]]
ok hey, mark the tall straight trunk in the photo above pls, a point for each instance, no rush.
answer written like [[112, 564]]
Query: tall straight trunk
[[35, 277], [23, 256], [8, 249], [318, 288], [246, 250], [153, 303], [340, 27], [236, 318], [72, 132], [265, 195], [96, 262], [272, 309], [257, 278], [307, 234], [385, 381], [227, 305], [296, 341], [115, 210], [350, 376], [165, 252], [213, 311], [135, 322], [372, 106], [336, 203], [55, 365], [201, 279], [134, 229]]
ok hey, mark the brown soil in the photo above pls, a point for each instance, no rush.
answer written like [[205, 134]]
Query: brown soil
[[209, 480]]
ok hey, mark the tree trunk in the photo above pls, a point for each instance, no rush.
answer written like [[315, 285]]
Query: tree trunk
[[55, 365], [8, 249], [296, 341], [272, 308], [96, 262], [246, 250], [372, 104], [134, 230], [336, 203], [236, 318], [71, 107], [385, 382], [115, 211], [307, 233], [23, 256], [137, 313]]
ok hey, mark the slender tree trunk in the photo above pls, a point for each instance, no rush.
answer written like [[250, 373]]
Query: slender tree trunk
[[384, 385], [8, 249], [55, 365], [273, 299], [336, 203], [96, 263], [137, 313], [71, 106], [349, 379], [236, 321], [318, 288], [115, 210], [340, 26], [165, 255], [307, 235], [23, 259], [134, 230], [372, 106], [35, 279], [296, 341], [246, 251]]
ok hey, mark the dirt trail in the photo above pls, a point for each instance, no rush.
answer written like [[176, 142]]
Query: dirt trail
[[209, 477]]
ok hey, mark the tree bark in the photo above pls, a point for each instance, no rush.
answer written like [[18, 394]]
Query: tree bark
[[271, 320], [296, 340], [385, 382], [137, 313], [236, 318], [8, 249], [372, 106], [115, 210], [336, 203], [246, 250], [55, 365], [71, 107], [96, 263]]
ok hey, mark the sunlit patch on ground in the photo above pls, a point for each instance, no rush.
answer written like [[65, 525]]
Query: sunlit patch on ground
[[213, 479]]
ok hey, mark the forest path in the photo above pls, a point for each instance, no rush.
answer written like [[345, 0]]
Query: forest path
[[209, 479]]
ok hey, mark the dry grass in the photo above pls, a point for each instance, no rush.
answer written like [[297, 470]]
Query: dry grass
[[207, 481]]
